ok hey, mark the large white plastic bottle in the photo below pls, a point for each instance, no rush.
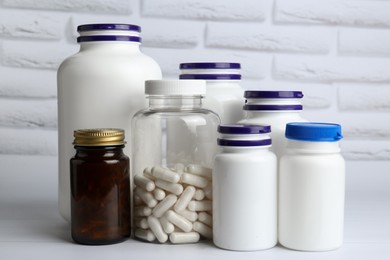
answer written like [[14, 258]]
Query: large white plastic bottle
[[224, 95], [101, 86]]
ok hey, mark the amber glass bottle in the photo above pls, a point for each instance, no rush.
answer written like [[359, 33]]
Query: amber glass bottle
[[100, 187]]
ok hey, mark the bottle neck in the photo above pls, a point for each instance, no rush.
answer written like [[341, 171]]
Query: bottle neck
[[245, 149], [112, 46], [223, 84], [175, 102], [290, 114], [99, 151], [273, 101], [210, 71], [304, 147]]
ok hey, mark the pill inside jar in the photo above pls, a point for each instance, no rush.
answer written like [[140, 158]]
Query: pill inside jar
[[171, 204]]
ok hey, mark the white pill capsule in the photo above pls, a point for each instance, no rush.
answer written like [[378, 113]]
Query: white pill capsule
[[141, 223], [208, 191], [205, 218], [199, 170], [179, 168], [204, 205], [164, 205], [184, 199], [142, 211], [144, 183], [165, 174], [190, 215], [199, 195], [202, 229], [179, 221], [184, 238], [195, 180], [157, 230], [146, 197], [167, 226], [144, 234], [148, 173], [158, 194], [174, 188]]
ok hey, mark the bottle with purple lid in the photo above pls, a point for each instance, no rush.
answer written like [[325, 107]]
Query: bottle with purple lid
[[101, 86], [275, 108], [245, 189], [224, 93]]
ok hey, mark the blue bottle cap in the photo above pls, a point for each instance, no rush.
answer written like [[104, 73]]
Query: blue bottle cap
[[314, 132]]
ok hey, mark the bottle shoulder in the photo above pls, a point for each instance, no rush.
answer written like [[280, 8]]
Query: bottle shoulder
[[134, 62], [172, 111], [246, 155]]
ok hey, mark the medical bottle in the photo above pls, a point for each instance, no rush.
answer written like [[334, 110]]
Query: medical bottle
[[312, 188], [100, 187], [244, 189], [275, 108], [223, 90], [98, 87], [173, 150]]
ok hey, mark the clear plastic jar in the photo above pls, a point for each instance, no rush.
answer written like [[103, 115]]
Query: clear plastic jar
[[244, 189], [100, 87], [274, 108], [223, 91], [173, 150], [312, 188]]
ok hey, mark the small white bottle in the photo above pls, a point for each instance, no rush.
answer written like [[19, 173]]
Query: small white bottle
[[274, 108], [244, 189], [224, 93], [100, 86], [311, 188]]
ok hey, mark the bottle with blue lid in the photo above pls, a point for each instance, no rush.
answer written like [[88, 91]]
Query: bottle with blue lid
[[224, 93], [245, 189], [312, 187], [100, 86], [275, 108]]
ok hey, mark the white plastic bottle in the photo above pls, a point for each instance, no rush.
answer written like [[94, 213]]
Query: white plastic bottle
[[99, 87], [311, 188], [224, 93], [274, 108], [244, 189]]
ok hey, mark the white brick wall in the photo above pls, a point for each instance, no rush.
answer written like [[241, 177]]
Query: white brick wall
[[336, 51]]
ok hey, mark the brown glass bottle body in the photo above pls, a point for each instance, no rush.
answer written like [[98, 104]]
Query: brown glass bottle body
[[100, 195]]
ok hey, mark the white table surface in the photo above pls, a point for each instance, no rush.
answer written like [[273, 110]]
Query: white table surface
[[31, 228]]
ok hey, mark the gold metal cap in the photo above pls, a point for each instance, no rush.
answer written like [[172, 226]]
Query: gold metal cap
[[99, 137]]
